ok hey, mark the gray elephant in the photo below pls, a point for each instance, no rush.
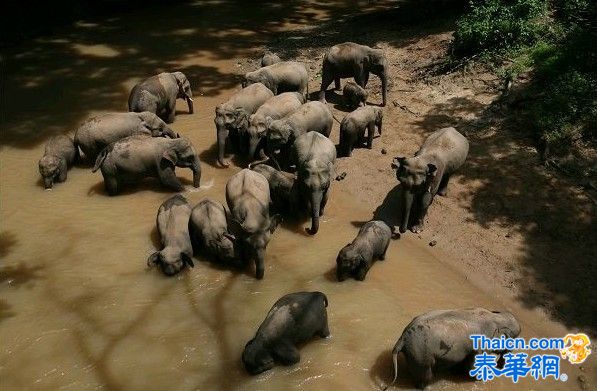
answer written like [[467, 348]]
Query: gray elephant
[[354, 95], [158, 95], [293, 320], [98, 132], [275, 108], [314, 156], [281, 77], [209, 228], [281, 134], [60, 153], [282, 188], [356, 258], [353, 60], [233, 116], [269, 58], [427, 174], [248, 198], [137, 157], [441, 339], [173, 226], [354, 124]]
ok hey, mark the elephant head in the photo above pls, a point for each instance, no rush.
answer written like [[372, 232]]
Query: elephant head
[[225, 247], [51, 167], [378, 65], [258, 77], [257, 131], [279, 133], [155, 124], [505, 325], [182, 154], [378, 117], [256, 358], [314, 179], [416, 177], [184, 89], [170, 261], [228, 117], [348, 262]]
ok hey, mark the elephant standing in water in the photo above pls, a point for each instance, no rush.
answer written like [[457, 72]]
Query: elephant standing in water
[[441, 339], [209, 228], [314, 155], [233, 116], [353, 60], [248, 197], [158, 95], [98, 132], [138, 157], [427, 174], [60, 153]]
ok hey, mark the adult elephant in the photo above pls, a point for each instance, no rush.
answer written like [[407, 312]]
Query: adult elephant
[[233, 115], [314, 155], [284, 76], [350, 59], [98, 132], [158, 95], [137, 157]]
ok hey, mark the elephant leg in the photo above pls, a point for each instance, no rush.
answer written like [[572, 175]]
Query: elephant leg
[[443, 185], [382, 257], [286, 353], [111, 184], [326, 80], [324, 201], [324, 332], [170, 113], [370, 132], [169, 179], [425, 201], [259, 264], [422, 374], [361, 273], [62, 176], [365, 79], [337, 83]]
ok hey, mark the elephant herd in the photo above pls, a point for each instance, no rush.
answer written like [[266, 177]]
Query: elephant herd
[[271, 123]]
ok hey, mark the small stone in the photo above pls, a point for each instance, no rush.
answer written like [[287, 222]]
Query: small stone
[[508, 235], [432, 243], [384, 151], [341, 176]]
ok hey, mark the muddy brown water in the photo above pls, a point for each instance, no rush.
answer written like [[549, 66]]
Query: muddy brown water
[[80, 310]]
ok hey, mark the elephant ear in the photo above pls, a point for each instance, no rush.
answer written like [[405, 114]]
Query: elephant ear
[[240, 118], [431, 176], [153, 259], [169, 158]]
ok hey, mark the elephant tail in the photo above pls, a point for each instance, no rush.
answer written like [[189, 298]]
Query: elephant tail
[[397, 349], [100, 159]]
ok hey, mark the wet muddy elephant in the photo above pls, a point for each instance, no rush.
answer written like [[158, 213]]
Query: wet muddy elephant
[[137, 157], [158, 95], [233, 115], [357, 61], [284, 76], [209, 229], [60, 153], [314, 155], [98, 132], [427, 174], [248, 198], [441, 339]]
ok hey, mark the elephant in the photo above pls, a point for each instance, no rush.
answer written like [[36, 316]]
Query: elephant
[[248, 198], [281, 134], [233, 115], [158, 95], [314, 155], [441, 339], [293, 320], [353, 126], [354, 95], [173, 225], [140, 156], [427, 174], [269, 58], [275, 108], [355, 259], [281, 187], [60, 153], [209, 228], [283, 76], [350, 59], [96, 133]]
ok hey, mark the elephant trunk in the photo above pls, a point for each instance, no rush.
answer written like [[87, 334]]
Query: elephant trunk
[[253, 143], [48, 182], [315, 206], [407, 203], [196, 172], [190, 104], [222, 134]]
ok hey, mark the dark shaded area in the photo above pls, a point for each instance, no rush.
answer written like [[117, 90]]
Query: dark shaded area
[[21, 274], [7, 241]]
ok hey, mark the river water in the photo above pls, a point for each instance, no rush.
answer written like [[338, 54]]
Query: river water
[[78, 307]]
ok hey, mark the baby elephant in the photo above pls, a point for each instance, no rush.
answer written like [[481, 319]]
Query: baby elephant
[[209, 228], [59, 155], [294, 319], [355, 259], [441, 339], [269, 58], [353, 126], [281, 187], [354, 95], [173, 226]]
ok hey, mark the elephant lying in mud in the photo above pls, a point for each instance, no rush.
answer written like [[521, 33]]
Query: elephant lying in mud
[[281, 187], [158, 95], [353, 60], [427, 174], [248, 198], [314, 155], [209, 228], [60, 153], [441, 339], [356, 258], [138, 157], [269, 58], [354, 95], [274, 108], [233, 116], [284, 76], [353, 126], [98, 132], [173, 226], [293, 320]]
